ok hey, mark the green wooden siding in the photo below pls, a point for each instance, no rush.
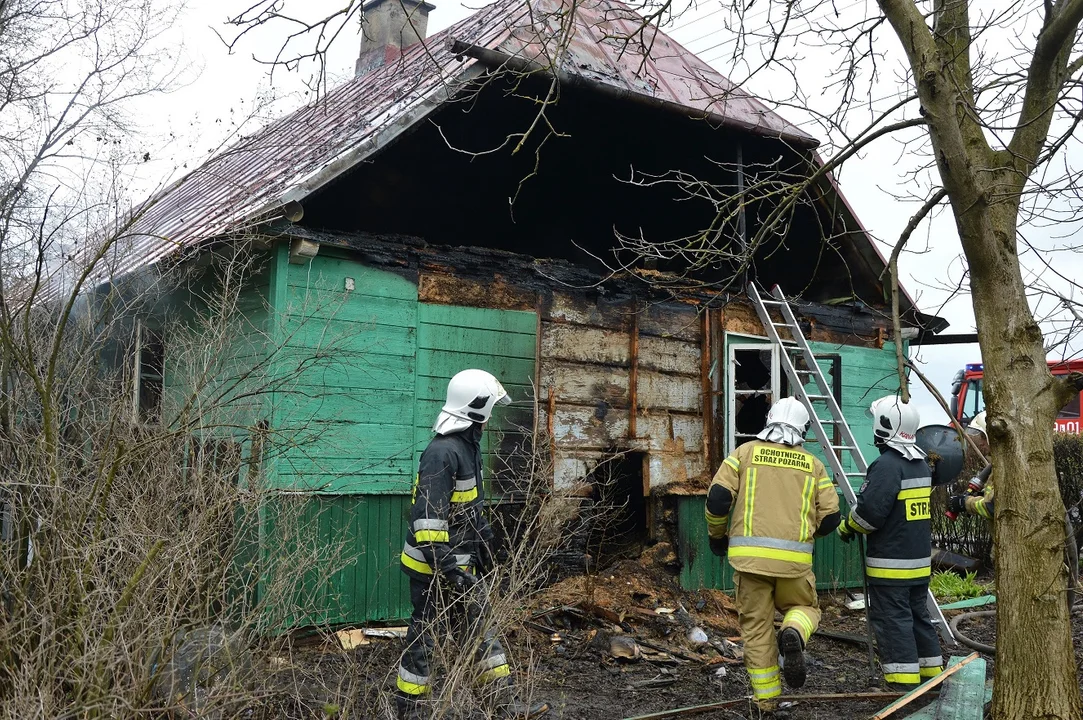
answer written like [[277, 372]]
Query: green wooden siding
[[503, 342], [360, 378], [352, 545], [867, 373], [344, 408], [836, 564]]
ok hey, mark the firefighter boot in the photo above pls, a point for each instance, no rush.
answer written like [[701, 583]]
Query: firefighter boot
[[408, 709], [793, 657]]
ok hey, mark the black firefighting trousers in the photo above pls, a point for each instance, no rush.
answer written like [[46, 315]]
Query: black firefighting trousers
[[437, 614], [905, 635]]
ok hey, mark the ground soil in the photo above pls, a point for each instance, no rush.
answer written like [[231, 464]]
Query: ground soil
[[562, 652]]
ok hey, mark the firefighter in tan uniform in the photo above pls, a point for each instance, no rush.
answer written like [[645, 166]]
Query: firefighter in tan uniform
[[767, 503]]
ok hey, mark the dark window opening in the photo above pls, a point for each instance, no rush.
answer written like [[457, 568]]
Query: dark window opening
[[149, 375], [753, 370]]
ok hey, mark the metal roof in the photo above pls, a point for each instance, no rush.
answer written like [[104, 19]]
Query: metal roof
[[296, 155]]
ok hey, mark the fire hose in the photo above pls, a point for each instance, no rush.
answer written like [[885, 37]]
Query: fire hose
[[1071, 551]]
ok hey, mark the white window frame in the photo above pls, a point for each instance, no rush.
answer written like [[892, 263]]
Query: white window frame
[[731, 373]]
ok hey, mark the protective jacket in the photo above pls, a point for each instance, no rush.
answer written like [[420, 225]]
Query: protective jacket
[[893, 511], [982, 505], [772, 500], [447, 522]]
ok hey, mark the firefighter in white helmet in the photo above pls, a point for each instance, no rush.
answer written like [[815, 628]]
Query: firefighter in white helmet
[[448, 542], [767, 503], [892, 510], [980, 500]]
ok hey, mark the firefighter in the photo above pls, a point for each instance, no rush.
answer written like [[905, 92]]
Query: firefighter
[[892, 511], [766, 504], [448, 541], [980, 502]]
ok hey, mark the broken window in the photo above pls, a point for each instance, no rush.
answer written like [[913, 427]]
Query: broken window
[[148, 374], [756, 380], [752, 388]]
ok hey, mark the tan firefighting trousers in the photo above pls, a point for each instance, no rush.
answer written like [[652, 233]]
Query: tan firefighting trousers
[[758, 596]]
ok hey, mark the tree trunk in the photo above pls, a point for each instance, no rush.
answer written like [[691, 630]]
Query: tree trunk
[[1035, 665]]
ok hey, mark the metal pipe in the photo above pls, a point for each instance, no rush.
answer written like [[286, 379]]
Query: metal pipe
[[496, 60]]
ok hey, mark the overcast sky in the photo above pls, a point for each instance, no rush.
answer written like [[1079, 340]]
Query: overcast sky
[[220, 89]]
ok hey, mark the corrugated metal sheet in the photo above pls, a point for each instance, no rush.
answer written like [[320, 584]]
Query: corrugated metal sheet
[[300, 153]]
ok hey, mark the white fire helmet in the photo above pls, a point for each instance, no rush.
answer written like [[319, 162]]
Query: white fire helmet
[[471, 396], [895, 424], [787, 422], [978, 424]]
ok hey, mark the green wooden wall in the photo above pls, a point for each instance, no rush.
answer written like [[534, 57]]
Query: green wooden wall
[[360, 379], [867, 373]]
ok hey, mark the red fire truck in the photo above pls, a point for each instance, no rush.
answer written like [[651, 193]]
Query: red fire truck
[[967, 399]]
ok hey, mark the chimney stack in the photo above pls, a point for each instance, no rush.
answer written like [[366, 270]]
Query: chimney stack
[[388, 27]]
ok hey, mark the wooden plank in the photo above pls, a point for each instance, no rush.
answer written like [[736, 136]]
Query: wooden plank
[[963, 696], [580, 427], [333, 336], [669, 355], [658, 391], [585, 345], [328, 305], [323, 273], [354, 370], [440, 363], [474, 340], [505, 321], [925, 687], [296, 406], [659, 427], [586, 384]]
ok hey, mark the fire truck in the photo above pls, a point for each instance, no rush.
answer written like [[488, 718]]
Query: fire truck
[[967, 399]]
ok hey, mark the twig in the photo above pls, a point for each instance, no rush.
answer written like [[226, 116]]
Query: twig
[[924, 688], [963, 434]]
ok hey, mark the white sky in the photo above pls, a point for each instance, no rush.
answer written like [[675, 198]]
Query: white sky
[[223, 88]]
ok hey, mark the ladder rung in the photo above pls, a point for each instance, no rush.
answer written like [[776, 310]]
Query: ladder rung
[[842, 447], [772, 302], [817, 397]]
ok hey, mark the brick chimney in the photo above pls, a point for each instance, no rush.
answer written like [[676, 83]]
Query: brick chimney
[[387, 27]]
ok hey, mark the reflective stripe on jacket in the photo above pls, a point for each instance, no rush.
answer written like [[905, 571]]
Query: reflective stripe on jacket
[[780, 495], [447, 521], [983, 505], [893, 510]]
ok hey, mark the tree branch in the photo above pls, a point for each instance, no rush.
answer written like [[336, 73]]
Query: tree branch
[[893, 268]]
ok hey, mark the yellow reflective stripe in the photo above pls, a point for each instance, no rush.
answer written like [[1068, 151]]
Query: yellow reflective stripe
[[806, 504], [904, 678], [500, 671], [915, 493], [717, 519], [772, 554], [732, 462], [416, 565], [931, 672], [799, 618], [432, 536], [855, 527], [763, 672], [464, 496], [982, 509], [897, 573], [750, 499], [411, 688], [824, 482]]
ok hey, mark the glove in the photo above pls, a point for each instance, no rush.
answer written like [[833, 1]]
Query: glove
[[957, 504], [846, 533], [460, 580], [720, 545]]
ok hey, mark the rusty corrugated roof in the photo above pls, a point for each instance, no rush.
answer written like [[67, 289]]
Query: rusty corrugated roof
[[298, 154]]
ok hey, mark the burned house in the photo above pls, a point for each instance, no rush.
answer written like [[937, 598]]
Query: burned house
[[538, 193]]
